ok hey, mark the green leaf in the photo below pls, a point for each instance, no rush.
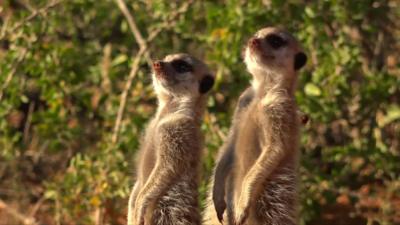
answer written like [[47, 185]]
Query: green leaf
[[312, 89], [310, 12], [24, 99], [393, 114], [119, 60]]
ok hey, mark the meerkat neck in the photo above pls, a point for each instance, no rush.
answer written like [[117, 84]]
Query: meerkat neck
[[270, 81], [188, 106]]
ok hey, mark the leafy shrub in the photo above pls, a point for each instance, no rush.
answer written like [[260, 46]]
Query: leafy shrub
[[63, 71]]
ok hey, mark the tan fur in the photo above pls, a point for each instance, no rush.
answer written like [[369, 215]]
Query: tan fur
[[255, 177], [217, 194], [165, 192]]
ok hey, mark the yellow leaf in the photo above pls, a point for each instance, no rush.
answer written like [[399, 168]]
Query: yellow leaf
[[95, 201], [220, 33]]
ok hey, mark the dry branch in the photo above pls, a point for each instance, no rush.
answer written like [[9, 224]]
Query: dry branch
[[36, 13], [135, 65], [124, 95], [14, 68], [26, 220], [135, 30]]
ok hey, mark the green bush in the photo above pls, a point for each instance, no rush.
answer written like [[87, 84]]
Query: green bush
[[63, 69]]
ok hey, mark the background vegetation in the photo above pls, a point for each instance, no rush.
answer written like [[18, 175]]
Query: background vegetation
[[75, 94]]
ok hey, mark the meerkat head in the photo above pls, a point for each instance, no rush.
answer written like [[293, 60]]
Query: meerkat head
[[273, 51], [181, 76]]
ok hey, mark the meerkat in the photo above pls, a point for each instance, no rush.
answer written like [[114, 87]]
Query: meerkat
[[255, 177], [215, 204], [165, 192]]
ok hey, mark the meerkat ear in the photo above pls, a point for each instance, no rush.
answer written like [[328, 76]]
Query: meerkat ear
[[206, 83], [300, 60]]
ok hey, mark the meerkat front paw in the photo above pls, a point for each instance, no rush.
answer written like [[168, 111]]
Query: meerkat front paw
[[241, 215], [242, 211], [139, 215], [220, 206], [140, 210]]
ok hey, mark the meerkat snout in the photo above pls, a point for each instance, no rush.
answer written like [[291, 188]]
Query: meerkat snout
[[254, 44], [157, 66]]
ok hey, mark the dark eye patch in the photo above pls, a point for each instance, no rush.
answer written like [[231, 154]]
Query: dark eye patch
[[275, 41], [181, 66]]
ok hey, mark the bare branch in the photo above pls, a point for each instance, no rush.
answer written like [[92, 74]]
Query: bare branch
[[10, 75], [40, 11], [6, 22], [135, 65], [99, 216], [105, 68], [17, 215], [124, 95], [37, 206], [28, 122], [135, 30]]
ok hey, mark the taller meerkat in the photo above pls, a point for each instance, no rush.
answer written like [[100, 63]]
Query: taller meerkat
[[165, 192], [258, 165]]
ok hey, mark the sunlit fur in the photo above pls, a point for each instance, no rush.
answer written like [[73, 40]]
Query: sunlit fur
[[166, 188], [256, 173]]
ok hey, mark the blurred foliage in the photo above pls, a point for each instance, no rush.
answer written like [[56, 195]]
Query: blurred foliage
[[63, 68]]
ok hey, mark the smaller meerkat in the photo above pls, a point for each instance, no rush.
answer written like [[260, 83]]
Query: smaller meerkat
[[165, 192], [255, 177]]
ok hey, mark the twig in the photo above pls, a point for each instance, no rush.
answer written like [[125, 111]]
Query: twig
[[124, 95], [99, 216], [213, 123], [36, 207], [13, 212], [6, 21], [22, 56], [105, 68], [10, 75], [135, 65], [28, 122], [31, 17], [26, 5], [135, 30], [171, 21]]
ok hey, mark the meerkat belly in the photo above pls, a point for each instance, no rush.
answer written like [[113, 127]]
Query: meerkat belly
[[277, 202], [179, 205]]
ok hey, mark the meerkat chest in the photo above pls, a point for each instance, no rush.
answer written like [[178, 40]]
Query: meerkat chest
[[277, 109], [172, 122], [176, 130], [280, 123]]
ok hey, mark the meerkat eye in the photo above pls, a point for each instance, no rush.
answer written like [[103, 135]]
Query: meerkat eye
[[181, 66], [275, 41]]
